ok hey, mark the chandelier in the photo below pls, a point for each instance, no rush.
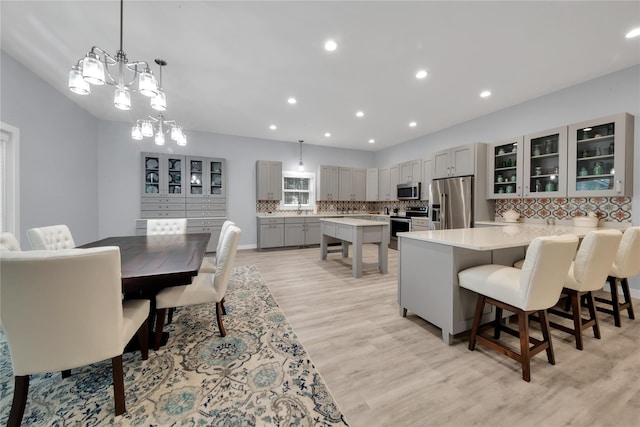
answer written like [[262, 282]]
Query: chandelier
[[99, 68]]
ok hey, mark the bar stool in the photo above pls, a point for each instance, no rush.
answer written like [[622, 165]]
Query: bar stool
[[625, 265], [533, 289], [588, 273]]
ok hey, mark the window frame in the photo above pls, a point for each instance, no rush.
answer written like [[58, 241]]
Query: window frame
[[312, 193]]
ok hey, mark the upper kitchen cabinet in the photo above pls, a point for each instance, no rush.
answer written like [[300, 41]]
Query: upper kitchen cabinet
[[427, 175], [371, 185], [206, 177], [601, 157], [328, 183], [384, 188], [410, 171], [351, 183], [458, 161], [505, 169], [163, 175], [268, 180], [545, 160]]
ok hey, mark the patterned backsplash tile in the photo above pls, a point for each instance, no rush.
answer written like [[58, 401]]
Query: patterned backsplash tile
[[264, 206], [616, 209]]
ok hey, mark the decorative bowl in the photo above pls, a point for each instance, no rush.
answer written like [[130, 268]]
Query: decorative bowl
[[585, 221], [511, 216]]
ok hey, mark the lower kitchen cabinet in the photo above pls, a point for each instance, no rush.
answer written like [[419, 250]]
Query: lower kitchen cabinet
[[301, 231], [270, 233]]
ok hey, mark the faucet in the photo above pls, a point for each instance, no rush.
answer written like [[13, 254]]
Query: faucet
[[299, 211]]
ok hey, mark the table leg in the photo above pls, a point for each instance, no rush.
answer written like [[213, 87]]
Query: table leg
[[357, 252], [382, 258], [345, 249], [323, 246]]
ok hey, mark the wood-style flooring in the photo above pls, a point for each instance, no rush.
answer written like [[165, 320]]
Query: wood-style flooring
[[385, 370]]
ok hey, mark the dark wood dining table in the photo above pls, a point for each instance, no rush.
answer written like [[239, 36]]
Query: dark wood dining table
[[152, 263]]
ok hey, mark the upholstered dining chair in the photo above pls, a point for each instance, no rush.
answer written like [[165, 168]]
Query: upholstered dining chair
[[209, 265], [626, 264], [588, 273], [53, 237], [63, 309], [8, 242], [206, 287], [166, 226], [532, 289]]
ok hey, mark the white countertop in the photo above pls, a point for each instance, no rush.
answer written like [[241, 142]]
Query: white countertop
[[294, 214], [354, 222], [490, 238]]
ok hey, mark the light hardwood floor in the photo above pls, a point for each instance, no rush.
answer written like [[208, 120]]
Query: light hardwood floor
[[385, 370]]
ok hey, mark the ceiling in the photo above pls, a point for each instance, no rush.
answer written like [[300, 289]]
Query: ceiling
[[232, 65]]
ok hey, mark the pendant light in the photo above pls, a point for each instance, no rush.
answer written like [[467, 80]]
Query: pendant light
[[300, 164]]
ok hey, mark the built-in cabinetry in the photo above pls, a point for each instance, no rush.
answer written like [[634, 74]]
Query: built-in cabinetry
[[545, 163], [270, 232], [328, 183], [458, 161], [371, 185], [410, 171], [206, 177], [600, 157], [427, 175], [268, 180], [301, 231], [505, 169], [384, 185], [351, 183]]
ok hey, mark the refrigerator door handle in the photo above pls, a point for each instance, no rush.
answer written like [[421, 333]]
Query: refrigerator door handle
[[443, 211]]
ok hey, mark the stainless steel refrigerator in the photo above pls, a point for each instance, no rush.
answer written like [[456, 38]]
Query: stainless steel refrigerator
[[451, 203]]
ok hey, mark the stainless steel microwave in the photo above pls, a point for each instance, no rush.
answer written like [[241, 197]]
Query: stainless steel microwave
[[409, 191]]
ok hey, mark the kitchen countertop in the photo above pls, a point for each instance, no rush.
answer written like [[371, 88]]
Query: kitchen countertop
[[294, 214], [509, 235], [355, 222]]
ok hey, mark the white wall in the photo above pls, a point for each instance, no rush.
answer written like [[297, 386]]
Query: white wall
[[58, 153]]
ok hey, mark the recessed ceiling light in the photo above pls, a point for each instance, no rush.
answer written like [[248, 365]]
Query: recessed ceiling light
[[291, 100], [485, 93], [413, 124], [371, 141], [327, 134], [421, 74], [633, 33], [360, 114], [273, 127], [330, 45]]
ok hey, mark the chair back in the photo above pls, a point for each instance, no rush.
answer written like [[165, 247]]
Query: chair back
[[61, 309], [8, 242], [627, 261], [544, 270], [166, 226], [594, 259], [223, 230], [225, 259], [53, 238]]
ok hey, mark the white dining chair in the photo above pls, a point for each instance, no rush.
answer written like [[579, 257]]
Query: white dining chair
[[166, 226], [52, 237], [206, 287], [532, 289], [8, 242], [63, 309], [209, 264]]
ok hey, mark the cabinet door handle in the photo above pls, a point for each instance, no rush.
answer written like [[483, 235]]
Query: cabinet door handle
[[618, 186]]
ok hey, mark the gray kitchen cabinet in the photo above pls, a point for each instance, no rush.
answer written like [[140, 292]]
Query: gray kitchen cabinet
[[206, 177], [394, 180], [545, 163], [427, 173], [457, 161], [351, 184], [328, 183], [270, 233], [384, 185], [268, 180], [410, 171], [163, 176], [301, 231], [162, 207], [505, 165], [371, 185]]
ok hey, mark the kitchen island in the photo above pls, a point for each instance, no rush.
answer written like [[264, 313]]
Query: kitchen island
[[357, 232], [429, 262]]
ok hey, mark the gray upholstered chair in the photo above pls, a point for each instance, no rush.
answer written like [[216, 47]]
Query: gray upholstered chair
[[166, 226], [626, 264], [206, 287], [532, 289], [588, 273], [208, 264], [53, 237], [63, 309], [8, 242]]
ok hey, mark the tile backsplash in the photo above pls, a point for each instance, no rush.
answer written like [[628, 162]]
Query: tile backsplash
[[615, 209], [264, 206]]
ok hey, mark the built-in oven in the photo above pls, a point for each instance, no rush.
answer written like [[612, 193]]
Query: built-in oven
[[401, 224]]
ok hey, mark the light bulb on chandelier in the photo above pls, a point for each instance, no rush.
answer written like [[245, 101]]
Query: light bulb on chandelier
[[157, 127]]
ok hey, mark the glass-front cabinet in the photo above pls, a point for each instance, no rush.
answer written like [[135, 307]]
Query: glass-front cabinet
[[505, 167], [545, 163], [601, 157], [206, 177], [162, 175]]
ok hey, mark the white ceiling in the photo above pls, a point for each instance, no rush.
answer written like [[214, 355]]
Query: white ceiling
[[233, 64]]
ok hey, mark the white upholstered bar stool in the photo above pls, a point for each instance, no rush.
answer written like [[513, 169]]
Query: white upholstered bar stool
[[8, 242], [626, 264], [534, 288], [63, 309], [206, 287], [588, 273], [209, 265], [51, 238]]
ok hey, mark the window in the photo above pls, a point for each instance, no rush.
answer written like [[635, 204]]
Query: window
[[298, 191], [9, 194]]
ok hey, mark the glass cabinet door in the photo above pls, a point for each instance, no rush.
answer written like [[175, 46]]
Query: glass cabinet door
[[196, 186], [216, 184], [151, 175], [597, 157], [545, 160], [505, 169], [174, 175]]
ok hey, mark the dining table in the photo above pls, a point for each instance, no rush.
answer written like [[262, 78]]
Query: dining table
[[152, 263]]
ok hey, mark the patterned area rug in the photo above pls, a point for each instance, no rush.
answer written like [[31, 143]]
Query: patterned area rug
[[258, 375]]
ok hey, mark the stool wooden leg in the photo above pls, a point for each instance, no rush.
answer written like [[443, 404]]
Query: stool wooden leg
[[591, 305], [497, 323], [160, 313], [525, 358], [476, 321], [20, 391], [624, 283], [613, 283], [577, 319], [544, 325]]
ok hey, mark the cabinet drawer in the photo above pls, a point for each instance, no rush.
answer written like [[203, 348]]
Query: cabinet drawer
[[205, 207], [194, 222], [419, 222], [294, 220], [207, 214], [207, 200], [267, 221], [175, 200], [162, 207], [162, 214]]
